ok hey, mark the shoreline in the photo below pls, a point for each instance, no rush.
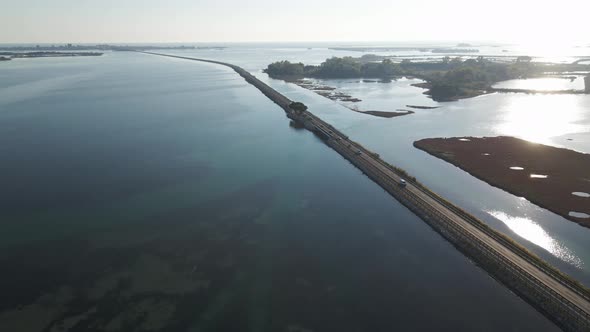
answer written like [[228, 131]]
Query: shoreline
[[329, 92], [382, 114], [34, 55]]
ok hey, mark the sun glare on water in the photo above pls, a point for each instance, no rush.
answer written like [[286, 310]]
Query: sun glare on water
[[533, 232], [537, 118]]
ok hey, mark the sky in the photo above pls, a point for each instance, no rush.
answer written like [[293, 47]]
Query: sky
[[125, 21]]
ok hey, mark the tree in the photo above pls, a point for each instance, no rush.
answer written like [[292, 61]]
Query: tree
[[470, 62], [457, 61], [285, 68], [524, 59], [389, 68], [297, 106], [340, 67], [442, 91]]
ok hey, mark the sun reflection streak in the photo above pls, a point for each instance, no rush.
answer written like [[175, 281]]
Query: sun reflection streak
[[533, 232], [543, 84], [537, 118]]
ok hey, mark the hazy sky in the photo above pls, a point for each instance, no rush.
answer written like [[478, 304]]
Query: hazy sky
[[75, 21]]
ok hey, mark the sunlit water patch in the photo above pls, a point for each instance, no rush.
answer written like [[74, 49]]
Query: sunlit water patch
[[539, 176], [537, 118], [533, 232], [581, 194], [581, 215], [544, 84]]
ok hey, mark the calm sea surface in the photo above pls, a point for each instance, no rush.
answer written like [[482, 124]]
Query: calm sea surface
[[141, 193], [558, 120]]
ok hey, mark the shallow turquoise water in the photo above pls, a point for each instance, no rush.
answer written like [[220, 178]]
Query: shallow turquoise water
[[142, 192]]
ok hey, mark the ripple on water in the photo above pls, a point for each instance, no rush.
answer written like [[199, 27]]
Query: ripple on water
[[581, 194], [539, 176], [516, 168], [580, 215]]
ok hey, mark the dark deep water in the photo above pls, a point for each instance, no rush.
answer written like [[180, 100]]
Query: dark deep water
[[140, 193]]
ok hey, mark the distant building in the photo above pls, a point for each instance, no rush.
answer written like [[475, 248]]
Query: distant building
[[587, 82]]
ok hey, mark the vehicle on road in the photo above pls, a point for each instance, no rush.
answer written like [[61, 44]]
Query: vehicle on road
[[402, 182]]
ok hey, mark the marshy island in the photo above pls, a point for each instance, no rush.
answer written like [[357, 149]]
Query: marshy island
[[554, 178]]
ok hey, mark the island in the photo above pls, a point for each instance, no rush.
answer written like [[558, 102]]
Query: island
[[296, 73], [388, 114], [553, 178], [447, 79]]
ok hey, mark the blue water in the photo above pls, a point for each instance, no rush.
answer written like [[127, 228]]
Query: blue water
[[147, 193]]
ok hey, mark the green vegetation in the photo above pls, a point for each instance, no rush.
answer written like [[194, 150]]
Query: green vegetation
[[454, 78], [468, 78], [297, 106], [346, 67], [285, 69], [446, 80]]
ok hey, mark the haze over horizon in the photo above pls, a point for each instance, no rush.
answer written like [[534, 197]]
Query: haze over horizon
[[109, 21]]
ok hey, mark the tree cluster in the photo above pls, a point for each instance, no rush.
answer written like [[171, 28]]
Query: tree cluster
[[346, 67]]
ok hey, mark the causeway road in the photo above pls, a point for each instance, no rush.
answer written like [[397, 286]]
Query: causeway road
[[570, 302]]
